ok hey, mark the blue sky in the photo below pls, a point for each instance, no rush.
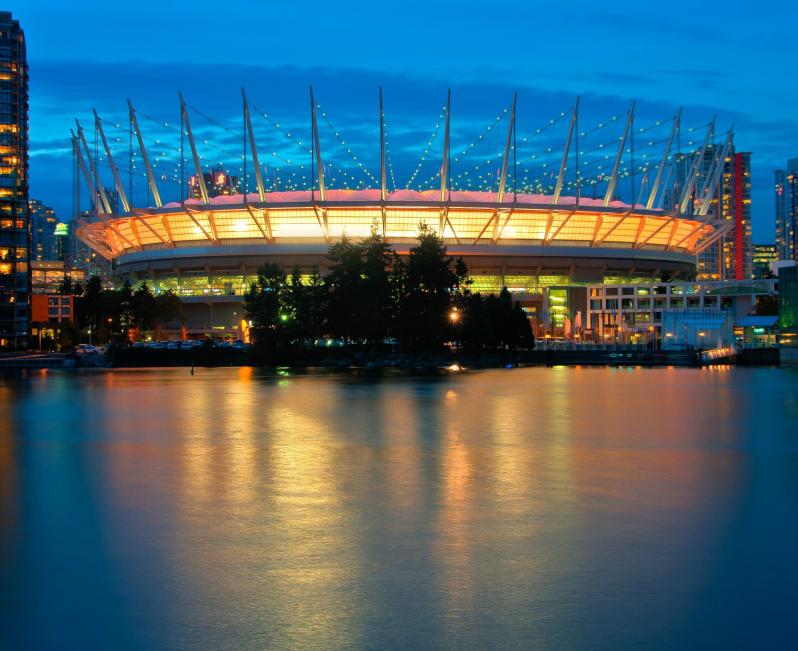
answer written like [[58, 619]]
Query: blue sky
[[730, 59]]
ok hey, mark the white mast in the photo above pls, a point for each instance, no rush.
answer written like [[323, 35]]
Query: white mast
[[614, 177], [120, 188], [561, 175], [145, 157], [319, 162], [103, 198], [658, 179], [253, 148], [197, 165]]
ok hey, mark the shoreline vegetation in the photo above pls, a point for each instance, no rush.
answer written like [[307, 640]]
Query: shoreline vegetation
[[372, 311], [384, 309], [372, 304]]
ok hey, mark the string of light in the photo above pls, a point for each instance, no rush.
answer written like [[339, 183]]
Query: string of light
[[346, 147], [426, 151]]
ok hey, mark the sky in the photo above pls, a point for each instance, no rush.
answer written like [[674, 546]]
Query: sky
[[732, 60]]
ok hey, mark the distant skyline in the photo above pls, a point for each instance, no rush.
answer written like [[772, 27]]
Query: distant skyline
[[710, 57]]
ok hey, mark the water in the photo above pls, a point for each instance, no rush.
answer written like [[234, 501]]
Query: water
[[545, 508]]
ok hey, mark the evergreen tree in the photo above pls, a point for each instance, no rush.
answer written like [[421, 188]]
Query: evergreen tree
[[90, 308], [66, 287], [168, 308], [312, 308], [342, 284], [126, 306], [144, 309], [374, 308], [291, 306], [433, 280], [262, 305]]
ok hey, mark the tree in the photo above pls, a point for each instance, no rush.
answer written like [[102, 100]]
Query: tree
[[767, 306], [262, 305], [432, 282], [374, 304], [312, 308], [342, 288], [66, 287], [495, 322], [67, 335], [168, 308], [126, 307], [291, 304], [144, 307], [90, 308]]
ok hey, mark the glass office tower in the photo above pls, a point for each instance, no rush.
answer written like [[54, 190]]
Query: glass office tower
[[14, 232]]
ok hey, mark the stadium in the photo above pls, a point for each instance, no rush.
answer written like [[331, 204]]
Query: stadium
[[207, 246]]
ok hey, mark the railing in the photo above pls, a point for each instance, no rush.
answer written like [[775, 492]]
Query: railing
[[548, 344]]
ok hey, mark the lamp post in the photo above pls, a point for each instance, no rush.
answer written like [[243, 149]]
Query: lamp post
[[454, 319]]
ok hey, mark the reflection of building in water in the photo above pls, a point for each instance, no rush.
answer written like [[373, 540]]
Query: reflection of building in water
[[260, 456]]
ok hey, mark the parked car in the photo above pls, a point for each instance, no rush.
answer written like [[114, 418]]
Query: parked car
[[86, 349]]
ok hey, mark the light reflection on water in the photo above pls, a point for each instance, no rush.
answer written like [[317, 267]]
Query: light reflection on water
[[539, 508]]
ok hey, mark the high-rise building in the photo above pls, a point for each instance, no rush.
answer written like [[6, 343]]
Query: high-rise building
[[731, 257], [14, 237], [787, 211], [217, 183], [763, 255], [42, 231], [64, 243], [82, 256]]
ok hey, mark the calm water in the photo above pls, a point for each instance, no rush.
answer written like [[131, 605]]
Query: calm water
[[540, 508]]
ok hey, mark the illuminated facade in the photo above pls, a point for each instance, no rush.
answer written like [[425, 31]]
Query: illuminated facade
[[788, 306], [208, 248], [763, 255], [216, 248], [731, 256], [633, 312], [48, 276], [42, 231], [786, 195], [14, 255], [218, 183], [212, 255]]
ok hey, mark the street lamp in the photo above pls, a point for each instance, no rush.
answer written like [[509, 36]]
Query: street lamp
[[454, 315]]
